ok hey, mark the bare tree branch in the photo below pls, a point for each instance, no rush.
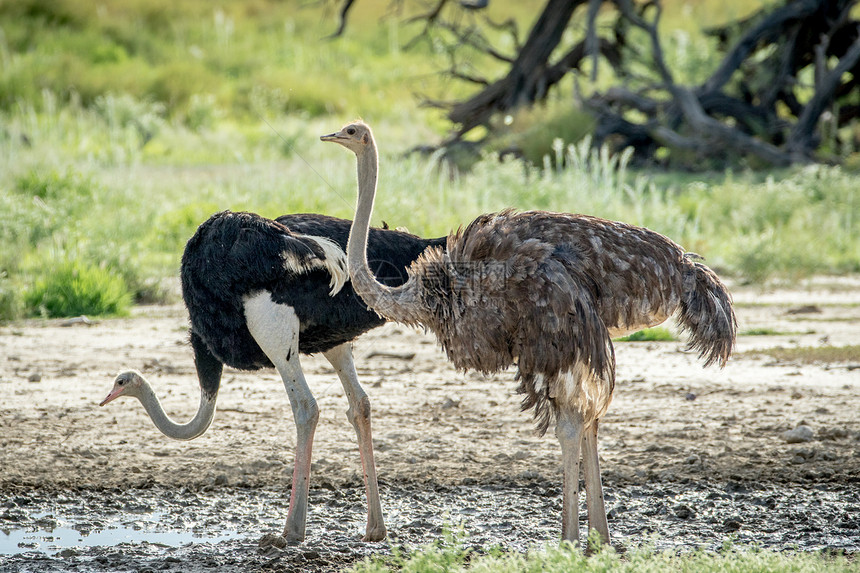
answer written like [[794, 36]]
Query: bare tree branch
[[429, 19], [472, 37], [801, 136], [591, 40], [344, 11], [508, 26], [768, 29]]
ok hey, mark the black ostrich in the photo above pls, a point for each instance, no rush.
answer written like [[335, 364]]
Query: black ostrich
[[259, 292]]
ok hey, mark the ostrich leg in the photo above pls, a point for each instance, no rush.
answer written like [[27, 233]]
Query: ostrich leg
[[568, 430], [359, 415], [593, 486], [275, 327]]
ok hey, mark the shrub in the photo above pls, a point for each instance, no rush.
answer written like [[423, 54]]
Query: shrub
[[124, 111], [76, 288]]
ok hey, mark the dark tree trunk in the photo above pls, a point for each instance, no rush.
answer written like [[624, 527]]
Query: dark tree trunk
[[528, 79]]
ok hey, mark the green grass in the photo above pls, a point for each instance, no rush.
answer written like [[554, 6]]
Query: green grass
[[91, 187], [656, 334], [451, 555], [767, 331]]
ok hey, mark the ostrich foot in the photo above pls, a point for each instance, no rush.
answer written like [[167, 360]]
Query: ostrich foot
[[374, 534], [270, 540]]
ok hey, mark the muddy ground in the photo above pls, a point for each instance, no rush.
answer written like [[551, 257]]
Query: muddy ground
[[690, 457]]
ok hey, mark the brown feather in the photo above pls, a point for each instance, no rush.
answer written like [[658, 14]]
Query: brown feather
[[546, 291]]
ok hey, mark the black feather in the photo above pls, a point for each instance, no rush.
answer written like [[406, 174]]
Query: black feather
[[233, 255]]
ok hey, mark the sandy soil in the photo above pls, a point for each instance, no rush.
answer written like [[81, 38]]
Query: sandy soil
[[671, 421]]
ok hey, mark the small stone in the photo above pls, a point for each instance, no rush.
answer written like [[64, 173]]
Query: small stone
[[834, 434], [35, 377], [690, 397], [450, 403], [732, 524], [798, 435], [805, 309], [684, 511]]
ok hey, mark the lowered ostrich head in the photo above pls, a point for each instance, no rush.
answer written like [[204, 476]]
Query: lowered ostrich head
[[132, 383], [129, 383], [355, 136]]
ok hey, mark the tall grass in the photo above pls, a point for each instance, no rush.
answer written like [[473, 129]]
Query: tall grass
[[97, 186]]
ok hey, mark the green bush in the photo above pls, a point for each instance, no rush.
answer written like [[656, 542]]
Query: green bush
[[43, 201], [125, 111], [75, 288]]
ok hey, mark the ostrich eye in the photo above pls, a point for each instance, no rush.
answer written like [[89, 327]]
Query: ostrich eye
[[351, 131], [121, 382]]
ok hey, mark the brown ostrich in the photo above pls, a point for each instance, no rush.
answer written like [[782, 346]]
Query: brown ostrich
[[546, 292]]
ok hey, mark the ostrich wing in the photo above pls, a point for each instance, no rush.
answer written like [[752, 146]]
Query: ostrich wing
[[565, 351], [529, 296], [259, 252]]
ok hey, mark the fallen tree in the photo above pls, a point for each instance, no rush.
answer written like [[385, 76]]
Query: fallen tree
[[786, 74]]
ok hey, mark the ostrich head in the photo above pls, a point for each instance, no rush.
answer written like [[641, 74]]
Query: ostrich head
[[355, 136], [127, 383]]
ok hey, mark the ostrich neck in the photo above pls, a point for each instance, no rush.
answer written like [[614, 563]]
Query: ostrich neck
[[399, 303], [187, 431]]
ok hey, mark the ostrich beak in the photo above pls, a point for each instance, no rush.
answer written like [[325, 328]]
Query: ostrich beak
[[113, 394], [330, 137]]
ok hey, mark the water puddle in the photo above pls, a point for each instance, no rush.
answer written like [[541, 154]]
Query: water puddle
[[54, 541], [51, 535]]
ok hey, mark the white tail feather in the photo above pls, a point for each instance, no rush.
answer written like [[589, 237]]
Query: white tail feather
[[334, 263]]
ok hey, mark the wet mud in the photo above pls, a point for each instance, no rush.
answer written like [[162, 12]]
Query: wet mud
[[161, 529]]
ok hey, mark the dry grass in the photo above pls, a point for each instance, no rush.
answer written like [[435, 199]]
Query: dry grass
[[811, 354]]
